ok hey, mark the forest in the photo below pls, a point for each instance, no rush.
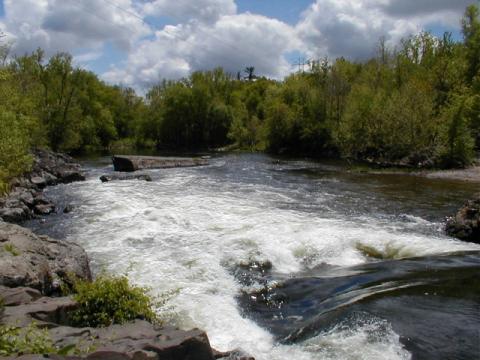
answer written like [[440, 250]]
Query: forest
[[415, 105]]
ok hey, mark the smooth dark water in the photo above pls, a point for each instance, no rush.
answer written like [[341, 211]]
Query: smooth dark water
[[289, 259]]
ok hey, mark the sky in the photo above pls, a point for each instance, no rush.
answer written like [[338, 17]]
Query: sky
[[139, 42]]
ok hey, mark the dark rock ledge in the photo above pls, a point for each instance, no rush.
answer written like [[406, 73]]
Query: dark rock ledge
[[26, 200], [465, 224], [34, 268]]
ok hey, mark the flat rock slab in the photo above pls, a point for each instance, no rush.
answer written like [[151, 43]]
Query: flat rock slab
[[129, 163]]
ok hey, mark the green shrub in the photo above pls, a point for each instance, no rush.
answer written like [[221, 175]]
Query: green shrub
[[30, 340], [112, 300]]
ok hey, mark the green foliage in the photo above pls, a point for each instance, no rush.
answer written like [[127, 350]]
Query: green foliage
[[112, 300], [30, 340], [14, 147], [458, 150], [471, 33]]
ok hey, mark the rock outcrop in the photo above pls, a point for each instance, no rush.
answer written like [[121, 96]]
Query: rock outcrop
[[136, 340], [26, 199], [130, 163], [37, 261], [465, 225], [114, 177]]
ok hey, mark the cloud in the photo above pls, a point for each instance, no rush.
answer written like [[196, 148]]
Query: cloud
[[207, 11], [67, 25], [352, 28], [233, 42], [404, 8]]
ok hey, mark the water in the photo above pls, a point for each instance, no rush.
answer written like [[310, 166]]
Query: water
[[289, 259]]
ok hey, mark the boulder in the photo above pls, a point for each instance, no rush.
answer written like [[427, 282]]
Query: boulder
[[38, 262], [137, 340], [130, 163], [18, 296], [465, 225], [14, 214], [45, 209], [38, 181], [107, 178], [56, 167], [45, 312]]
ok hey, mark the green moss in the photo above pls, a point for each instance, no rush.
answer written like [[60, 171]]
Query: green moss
[[389, 252]]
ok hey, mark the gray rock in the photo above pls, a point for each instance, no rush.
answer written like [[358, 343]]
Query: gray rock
[[137, 340], [18, 296], [46, 312], [50, 178], [39, 262], [49, 168], [465, 225], [130, 163], [107, 178], [14, 215], [38, 181], [21, 195], [237, 354], [44, 209], [40, 199]]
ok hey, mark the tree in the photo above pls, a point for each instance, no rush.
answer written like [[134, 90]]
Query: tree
[[250, 71], [471, 35]]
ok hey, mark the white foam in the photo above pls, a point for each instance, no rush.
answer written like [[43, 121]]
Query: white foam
[[177, 232]]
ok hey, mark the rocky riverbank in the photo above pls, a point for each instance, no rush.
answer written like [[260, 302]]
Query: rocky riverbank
[[34, 269], [26, 200]]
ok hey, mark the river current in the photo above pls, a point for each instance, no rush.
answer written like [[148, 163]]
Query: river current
[[288, 259]]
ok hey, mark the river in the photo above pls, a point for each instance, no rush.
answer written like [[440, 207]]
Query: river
[[288, 259]]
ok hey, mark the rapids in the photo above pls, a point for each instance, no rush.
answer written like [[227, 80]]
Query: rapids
[[360, 267]]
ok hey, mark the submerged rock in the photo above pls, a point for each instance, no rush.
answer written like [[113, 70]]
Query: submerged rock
[[465, 225], [130, 163], [68, 209], [107, 178]]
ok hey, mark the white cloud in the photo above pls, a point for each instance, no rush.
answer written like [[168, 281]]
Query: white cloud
[[67, 25], [233, 42], [187, 10], [352, 28]]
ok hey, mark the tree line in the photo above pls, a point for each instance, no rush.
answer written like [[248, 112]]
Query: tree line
[[417, 104]]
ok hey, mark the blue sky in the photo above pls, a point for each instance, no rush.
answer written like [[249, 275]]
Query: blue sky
[[138, 42]]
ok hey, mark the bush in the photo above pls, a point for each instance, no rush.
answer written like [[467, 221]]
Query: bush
[[112, 300], [30, 340]]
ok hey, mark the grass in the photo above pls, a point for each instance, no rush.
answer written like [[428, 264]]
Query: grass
[[10, 248]]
